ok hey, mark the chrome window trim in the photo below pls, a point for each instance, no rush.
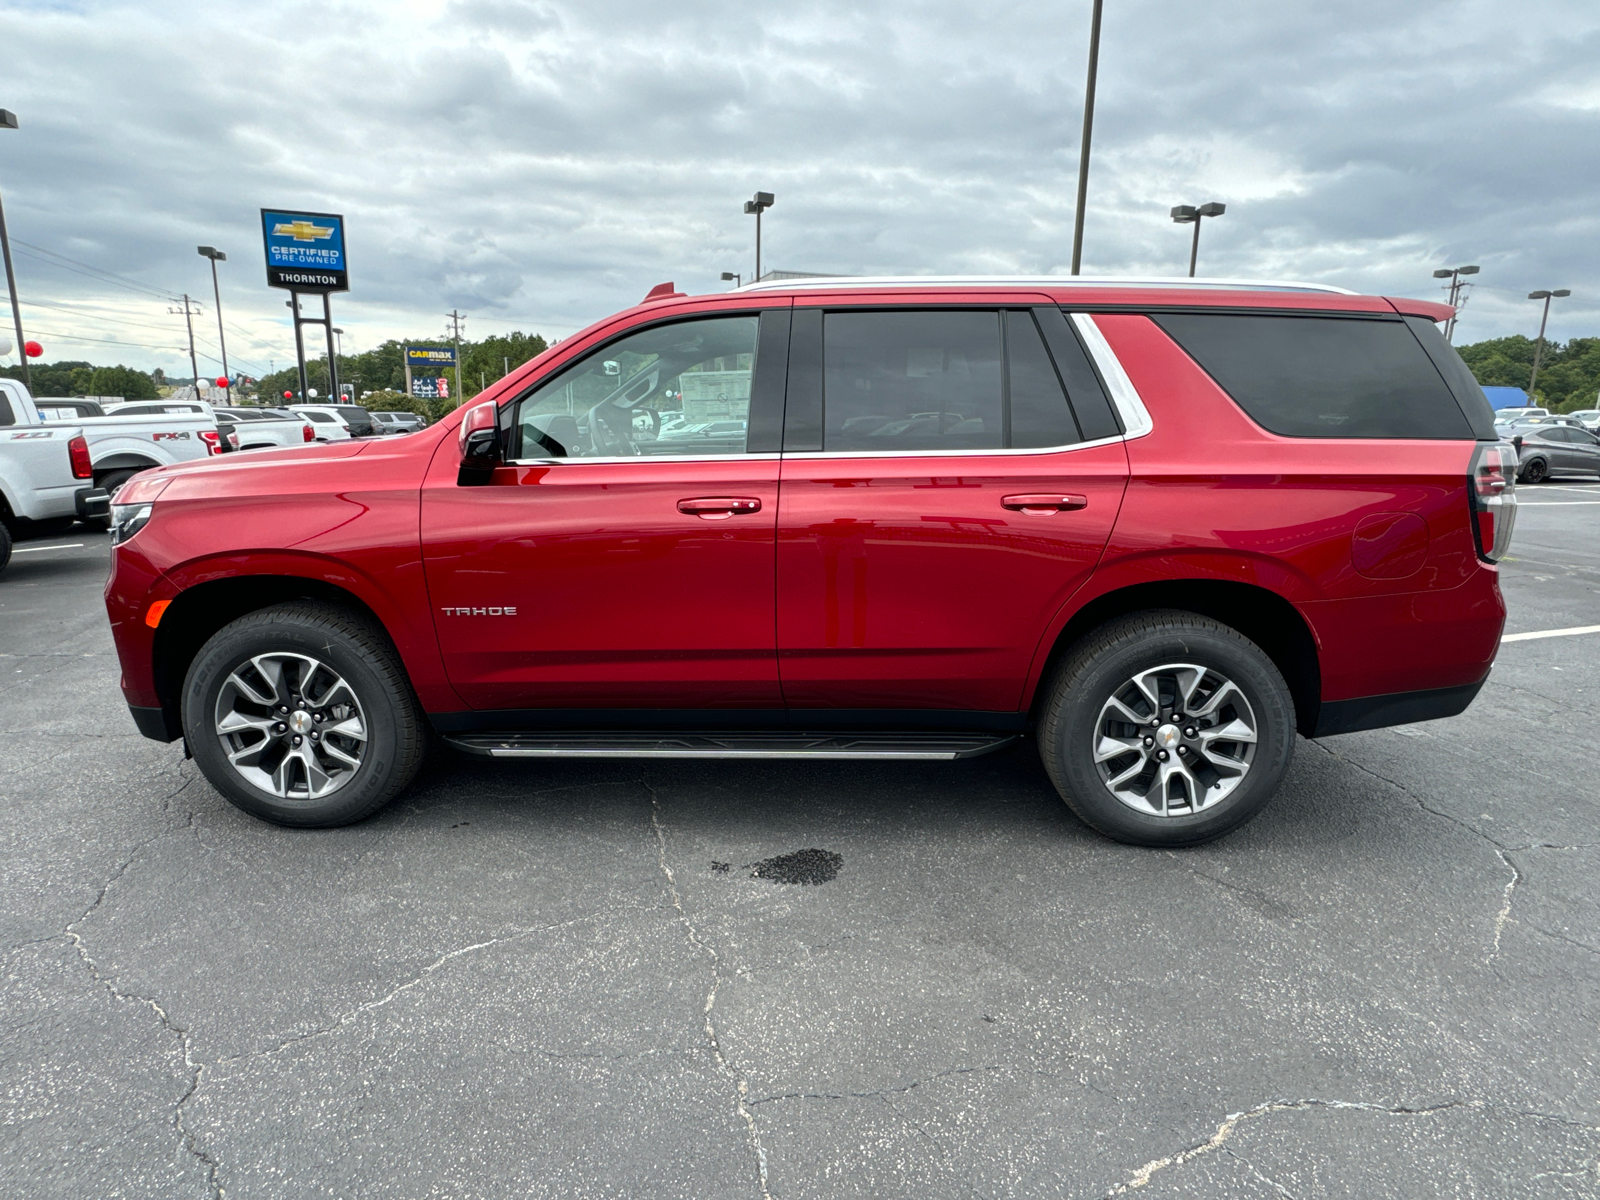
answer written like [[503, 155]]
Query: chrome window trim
[[771, 456], [1135, 417], [796, 455]]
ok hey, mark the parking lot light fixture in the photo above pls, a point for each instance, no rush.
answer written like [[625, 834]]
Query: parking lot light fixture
[[733, 277], [1185, 214], [1538, 352], [758, 205], [217, 256], [8, 120], [1454, 274]]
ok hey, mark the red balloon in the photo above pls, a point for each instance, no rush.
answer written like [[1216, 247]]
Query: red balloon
[[33, 349], [222, 381], [288, 395]]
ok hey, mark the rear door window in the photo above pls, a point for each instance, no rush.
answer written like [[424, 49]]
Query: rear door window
[[1328, 377]]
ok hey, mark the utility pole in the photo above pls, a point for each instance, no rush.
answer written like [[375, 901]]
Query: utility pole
[[188, 319], [1088, 131], [455, 327]]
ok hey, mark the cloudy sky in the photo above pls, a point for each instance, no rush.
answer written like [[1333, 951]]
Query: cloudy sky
[[538, 164]]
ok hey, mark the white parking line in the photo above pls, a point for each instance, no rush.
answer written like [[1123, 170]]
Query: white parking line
[[1544, 633], [36, 549]]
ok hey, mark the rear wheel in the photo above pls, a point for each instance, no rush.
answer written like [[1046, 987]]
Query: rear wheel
[[302, 715], [1166, 729], [112, 480], [5, 546]]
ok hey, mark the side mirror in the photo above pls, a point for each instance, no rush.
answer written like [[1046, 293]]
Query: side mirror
[[480, 444]]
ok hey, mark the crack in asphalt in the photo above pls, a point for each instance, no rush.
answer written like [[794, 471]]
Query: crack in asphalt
[[741, 1084], [1219, 1139], [1503, 918], [874, 1093], [516, 934], [191, 1142]]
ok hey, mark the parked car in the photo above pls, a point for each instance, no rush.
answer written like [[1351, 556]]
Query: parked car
[[1155, 530], [127, 439], [1516, 414], [264, 428], [1589, 418], [1550, 449], [358, 421], [46, 478], [227, 439], [398, 422]]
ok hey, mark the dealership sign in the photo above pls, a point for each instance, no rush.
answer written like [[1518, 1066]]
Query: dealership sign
[[423, 358], [305, 251]]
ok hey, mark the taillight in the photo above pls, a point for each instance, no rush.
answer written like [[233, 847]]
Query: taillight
[[307, 433], [1492, 487], [78, 454], [213, 441]]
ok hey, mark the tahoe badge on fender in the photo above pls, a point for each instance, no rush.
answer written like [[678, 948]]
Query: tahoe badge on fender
[[509, 610]]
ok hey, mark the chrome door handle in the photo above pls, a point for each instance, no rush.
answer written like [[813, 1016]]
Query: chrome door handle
[[1044, 503], [719, 508]]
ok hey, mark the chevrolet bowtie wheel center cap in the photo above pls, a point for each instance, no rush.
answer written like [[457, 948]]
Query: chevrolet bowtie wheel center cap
[[300, 722], [1166, 737]]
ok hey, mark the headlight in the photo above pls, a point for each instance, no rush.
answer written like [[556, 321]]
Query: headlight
[[127, 520]]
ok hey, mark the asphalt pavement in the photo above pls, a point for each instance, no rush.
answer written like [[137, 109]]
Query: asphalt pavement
[[606, 979]]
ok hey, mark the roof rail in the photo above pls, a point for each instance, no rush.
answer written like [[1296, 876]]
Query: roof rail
[[843, 282]]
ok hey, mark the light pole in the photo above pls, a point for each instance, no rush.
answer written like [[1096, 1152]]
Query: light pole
[[1453, 274], [338, 351], [8, 120], [1183, 214], [217, 256], [734, 277], [1538, 353], [1088, 130], [759, 205]]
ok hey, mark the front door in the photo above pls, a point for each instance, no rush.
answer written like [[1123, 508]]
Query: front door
[[952, 507], [625, 559]]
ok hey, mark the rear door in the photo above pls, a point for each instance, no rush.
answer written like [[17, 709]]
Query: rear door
[[626, 560], [940, 501]]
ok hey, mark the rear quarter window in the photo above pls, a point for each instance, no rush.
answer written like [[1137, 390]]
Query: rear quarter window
[[1326, 377]]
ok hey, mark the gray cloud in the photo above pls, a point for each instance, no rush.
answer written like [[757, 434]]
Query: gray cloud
[[541, 164]]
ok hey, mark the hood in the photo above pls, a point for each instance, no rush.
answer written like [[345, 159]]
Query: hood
[[249, 460]]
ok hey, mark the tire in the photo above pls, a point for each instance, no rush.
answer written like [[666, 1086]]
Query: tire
[[1103, 672], [1537, 471], [235, 670], [112, 480], [5, 546]]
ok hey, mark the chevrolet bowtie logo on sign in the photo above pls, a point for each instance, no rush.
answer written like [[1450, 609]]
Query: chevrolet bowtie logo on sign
[[303, 231], [305, 251], [508, 610]]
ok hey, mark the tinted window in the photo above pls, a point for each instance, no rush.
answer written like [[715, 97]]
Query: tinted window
[[6, 415], [1323, 376], [1040, 415], [358, 415], [679, 389], [926, 380]]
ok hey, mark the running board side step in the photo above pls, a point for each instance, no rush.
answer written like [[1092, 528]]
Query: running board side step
[[903, 746]]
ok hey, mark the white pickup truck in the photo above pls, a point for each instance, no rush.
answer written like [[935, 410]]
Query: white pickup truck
[[120, 446], [45, 478], [264, 428]]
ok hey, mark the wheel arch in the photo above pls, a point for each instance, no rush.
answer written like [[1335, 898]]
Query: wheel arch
[[1262, 615], [198, 612]]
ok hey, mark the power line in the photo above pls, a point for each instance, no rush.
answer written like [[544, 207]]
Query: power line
[[107, 276]]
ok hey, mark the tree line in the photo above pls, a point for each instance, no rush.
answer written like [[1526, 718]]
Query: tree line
[[70, 378], [1569, 373], [382, 370]]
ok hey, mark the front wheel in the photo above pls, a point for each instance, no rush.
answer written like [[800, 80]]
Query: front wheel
[[1166, 729], [1536, 471], [302, 715]]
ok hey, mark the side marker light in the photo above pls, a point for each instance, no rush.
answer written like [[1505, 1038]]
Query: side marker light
[[157, 608]]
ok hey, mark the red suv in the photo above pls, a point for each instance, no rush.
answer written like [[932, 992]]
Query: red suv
[[1158, 528]]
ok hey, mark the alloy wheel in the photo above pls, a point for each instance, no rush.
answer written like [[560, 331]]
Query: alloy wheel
[[290, 725], [1175, 740]]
